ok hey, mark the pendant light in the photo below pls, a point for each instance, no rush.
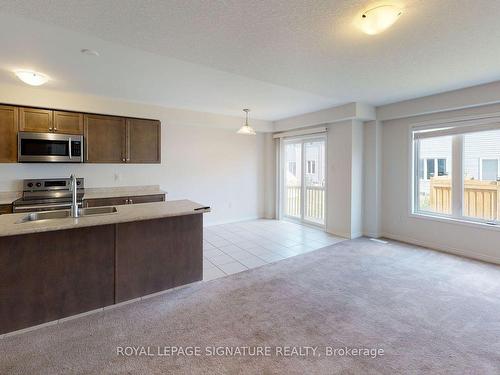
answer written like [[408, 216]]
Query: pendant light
[[246, 129]]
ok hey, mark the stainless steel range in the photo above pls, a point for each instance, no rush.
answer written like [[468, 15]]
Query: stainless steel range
[[48, 195]]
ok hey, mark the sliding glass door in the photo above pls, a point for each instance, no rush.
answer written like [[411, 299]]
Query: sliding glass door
[[304, 175]]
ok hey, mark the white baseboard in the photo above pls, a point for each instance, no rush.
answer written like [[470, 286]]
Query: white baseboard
[[349, 236], [442, 247], [356, 235], [372, 235]]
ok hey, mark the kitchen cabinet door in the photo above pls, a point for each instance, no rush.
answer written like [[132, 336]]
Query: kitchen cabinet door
[[143, 141], [155, 255], [118, 201], [52, 275], [8, 134], [105, 139], [36, 120], [68, 122], [5, 209], [147, 198], [100, 202]]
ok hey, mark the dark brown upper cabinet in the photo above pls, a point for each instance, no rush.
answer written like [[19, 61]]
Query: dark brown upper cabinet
[[111, 139], [105, 139], [8, 133], [35, 120], [143, 141], [45, 120], [68, 122]]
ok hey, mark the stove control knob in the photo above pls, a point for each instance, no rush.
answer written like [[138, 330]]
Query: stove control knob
[[30, 184], [78, 182], [38, 184]]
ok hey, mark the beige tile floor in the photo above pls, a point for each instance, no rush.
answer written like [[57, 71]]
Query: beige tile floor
[[236, 247]]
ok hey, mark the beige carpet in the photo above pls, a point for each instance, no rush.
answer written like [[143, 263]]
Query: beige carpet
[[429, 312]]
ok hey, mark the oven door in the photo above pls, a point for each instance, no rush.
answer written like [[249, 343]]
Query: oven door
[[49, 148]]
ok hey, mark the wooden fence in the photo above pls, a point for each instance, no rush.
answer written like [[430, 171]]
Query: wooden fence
[[481, 198]]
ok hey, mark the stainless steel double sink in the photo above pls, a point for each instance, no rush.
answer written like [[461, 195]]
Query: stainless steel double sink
[[62, 214]]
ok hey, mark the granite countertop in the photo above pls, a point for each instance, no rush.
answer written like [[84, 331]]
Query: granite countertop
[[9, 196], [10, 225]]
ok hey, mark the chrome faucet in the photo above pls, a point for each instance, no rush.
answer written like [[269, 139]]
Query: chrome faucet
[[74, 191]]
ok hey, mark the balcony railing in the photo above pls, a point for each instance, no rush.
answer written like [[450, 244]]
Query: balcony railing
[[481, 198], [314, 203]]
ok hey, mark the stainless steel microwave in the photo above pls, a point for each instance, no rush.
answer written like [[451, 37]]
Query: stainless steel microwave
[[49, 148]]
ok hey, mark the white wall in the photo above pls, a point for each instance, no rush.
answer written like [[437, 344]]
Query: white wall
[[372, 159], [469, 97], [203, 159], [344, 187], [350, 111], [357, 172], [481, 242], [270, 179]]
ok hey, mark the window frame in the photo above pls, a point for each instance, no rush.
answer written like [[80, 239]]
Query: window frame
[[488, 122]]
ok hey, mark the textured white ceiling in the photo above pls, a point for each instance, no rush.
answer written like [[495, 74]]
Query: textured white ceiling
[[308, 46]]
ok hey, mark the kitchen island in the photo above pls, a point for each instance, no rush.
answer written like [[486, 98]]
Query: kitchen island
[[53, 269]]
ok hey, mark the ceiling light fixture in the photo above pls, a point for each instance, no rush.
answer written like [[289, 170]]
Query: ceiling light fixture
[[376, 20], [246, 129], [31, 78], [89, 52]]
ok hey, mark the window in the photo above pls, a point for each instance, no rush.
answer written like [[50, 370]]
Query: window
[[434, 189], [430, 168], [489, 169], [481, 186], [475, 151], [292, 167], [441, 167], [311, 166]]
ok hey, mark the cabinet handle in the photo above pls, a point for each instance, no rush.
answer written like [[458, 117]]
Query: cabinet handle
[[126, 201], [131, 201], [51, 129], [124, 160]]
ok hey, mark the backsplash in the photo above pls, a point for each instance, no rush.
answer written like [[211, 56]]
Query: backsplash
[[96, 175]]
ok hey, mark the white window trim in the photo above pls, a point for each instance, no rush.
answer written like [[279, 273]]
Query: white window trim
[[457, 173]]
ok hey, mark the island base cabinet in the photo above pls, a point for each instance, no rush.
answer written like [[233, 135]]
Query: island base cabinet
[[52, 275], [155, 255]]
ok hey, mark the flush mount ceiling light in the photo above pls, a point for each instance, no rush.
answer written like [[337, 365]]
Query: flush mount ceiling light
[[89, 52], [31, 78], [246, 129], [377, 19]]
